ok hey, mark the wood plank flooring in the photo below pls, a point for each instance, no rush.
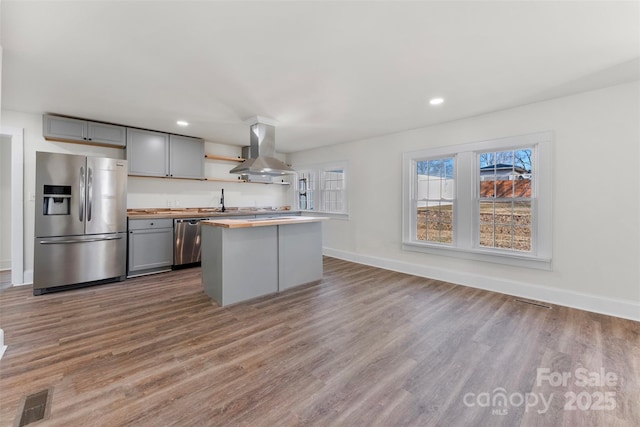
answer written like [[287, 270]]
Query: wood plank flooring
[[363, 347], [5, 279]]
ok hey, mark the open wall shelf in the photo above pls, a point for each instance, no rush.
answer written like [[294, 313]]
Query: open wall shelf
[[225, 158]]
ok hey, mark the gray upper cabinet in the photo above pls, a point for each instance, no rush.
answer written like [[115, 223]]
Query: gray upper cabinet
[[163, 155], [147, 152], [107, 134], [64, 128], [186, 157], [83, 131]]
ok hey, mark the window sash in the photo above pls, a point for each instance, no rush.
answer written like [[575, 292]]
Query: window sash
[[438, 189], [332, 192], [305, 190], [505, 191]]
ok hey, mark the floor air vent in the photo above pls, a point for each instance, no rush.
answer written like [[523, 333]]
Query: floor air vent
[[35, 407], [537, 304]]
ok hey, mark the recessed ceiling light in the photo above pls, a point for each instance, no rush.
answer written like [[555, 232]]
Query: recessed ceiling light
[[182, 123], [436, 101]]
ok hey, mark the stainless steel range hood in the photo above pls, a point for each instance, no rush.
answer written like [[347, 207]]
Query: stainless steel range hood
[[261, 159]]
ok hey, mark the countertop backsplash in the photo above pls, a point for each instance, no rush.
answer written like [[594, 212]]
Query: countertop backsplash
[[146, 193]]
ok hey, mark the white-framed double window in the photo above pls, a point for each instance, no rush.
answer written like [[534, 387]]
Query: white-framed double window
[[488, 201], [322, 188]]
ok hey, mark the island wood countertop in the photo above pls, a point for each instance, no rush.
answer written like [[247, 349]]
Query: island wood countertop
[[261, 222]]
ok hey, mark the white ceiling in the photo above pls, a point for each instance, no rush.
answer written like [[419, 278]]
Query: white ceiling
[[327, 72]]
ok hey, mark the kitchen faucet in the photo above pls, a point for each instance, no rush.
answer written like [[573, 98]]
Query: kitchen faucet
[[222, 201]]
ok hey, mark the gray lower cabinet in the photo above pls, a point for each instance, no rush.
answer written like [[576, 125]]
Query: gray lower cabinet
[[299, 254], [239, 263], [242, 263], [83, 131], [163, 155], [150, 246]]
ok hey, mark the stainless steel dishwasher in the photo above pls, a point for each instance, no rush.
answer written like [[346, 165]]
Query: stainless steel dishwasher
[[186, 242]]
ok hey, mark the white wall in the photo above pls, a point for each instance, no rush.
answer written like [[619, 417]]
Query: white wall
[[5, 193], [5, 206], [142, 192], [596, 241]]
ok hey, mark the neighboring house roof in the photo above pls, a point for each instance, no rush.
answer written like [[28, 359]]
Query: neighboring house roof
[[503, 167]]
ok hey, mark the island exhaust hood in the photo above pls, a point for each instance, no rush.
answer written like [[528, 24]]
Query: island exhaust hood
[[261, 153]]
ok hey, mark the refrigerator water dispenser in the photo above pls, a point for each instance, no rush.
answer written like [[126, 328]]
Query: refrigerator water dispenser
[[57, 200]]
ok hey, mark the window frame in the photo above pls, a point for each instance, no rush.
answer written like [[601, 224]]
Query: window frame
[[466, 219], [319, 171]]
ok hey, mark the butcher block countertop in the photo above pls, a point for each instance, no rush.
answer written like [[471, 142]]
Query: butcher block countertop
[[153, 213], [261, 222]]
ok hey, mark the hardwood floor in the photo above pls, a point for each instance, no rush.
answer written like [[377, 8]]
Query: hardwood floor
[[363, 347], [5, 279]]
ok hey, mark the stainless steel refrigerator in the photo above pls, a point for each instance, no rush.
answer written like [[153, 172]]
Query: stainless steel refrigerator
[[80, 221]]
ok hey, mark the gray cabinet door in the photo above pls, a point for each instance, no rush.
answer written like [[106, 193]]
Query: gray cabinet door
[[186, 157], [54, 127], [150, 250], [299, 254], [101, 133], [147, 152], [76, 130]]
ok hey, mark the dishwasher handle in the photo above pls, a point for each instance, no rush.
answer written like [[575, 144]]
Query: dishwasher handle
[[188, 221]]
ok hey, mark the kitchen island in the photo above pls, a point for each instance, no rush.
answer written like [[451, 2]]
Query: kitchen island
[[247, 258]]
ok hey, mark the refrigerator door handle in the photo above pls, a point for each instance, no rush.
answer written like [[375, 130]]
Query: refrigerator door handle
[[89, 192], [81, 194], [99, 239]]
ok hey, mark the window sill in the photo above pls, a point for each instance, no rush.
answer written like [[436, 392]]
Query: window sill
[[332, 215], [496, 257]]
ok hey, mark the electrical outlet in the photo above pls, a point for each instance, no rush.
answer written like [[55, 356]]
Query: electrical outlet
[[177, 203], [169, 203]]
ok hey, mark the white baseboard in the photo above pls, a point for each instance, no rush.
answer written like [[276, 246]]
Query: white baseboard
[[27, 279], [588, 302]]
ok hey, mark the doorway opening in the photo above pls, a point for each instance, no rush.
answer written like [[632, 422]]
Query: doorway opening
[[14, 139]]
